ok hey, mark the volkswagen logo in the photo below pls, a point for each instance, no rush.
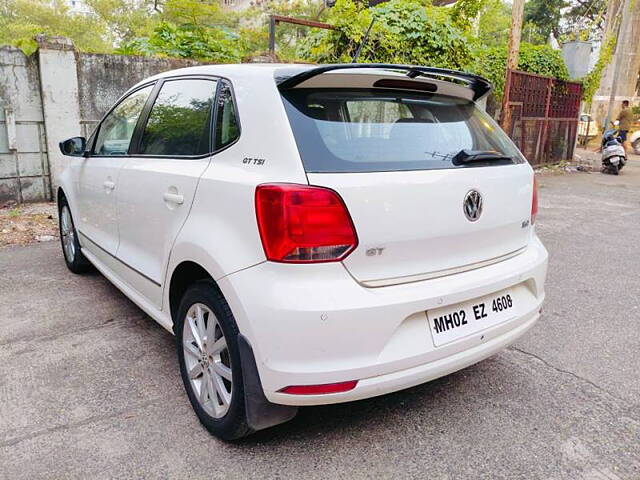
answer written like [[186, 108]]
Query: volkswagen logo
[[472, 205]]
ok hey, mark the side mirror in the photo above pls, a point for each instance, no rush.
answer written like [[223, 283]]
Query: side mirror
[[73, 147]]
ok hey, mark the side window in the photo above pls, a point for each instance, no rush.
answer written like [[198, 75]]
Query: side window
[[227, 128], [180, 121], [116, 130]]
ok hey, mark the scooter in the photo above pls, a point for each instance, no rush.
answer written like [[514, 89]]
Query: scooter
[[614, 156]]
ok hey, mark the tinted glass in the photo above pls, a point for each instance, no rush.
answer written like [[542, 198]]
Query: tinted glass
[[383, 130], [180, 120], [115, 132], [227, 129]]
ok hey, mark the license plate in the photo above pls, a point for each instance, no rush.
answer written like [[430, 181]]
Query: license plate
[[456, 321]]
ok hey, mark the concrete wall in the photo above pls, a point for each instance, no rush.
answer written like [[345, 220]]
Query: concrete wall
[[52, 95], [24, 167], [102, 79]]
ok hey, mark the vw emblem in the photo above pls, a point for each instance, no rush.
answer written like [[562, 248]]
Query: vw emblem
[[472, 205]]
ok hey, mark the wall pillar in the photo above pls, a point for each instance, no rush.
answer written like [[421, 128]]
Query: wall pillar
[[60, 101]]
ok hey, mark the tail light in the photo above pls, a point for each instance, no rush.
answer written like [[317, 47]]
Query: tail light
[[320, 389], [534, 202], [303, 224]]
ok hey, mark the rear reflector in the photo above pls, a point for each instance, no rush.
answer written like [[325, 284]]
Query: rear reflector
[[303, 224], [320, 389], [534, 201]]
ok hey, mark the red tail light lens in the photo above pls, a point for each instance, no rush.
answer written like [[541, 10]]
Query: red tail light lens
[[303, 224], [320, 389], [534, 202]]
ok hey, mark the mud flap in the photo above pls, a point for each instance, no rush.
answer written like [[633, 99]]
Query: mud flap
[[261, 413]]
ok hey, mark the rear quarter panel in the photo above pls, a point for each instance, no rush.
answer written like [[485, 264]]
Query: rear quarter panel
[[221, 233]]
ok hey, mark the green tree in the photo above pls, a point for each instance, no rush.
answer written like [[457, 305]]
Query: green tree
[[22, 20], [217, 45], [126, 19], [541, 59], [255, 22], [494, 23], [195, 29], [405, 31], [542, 19], [584, 20]]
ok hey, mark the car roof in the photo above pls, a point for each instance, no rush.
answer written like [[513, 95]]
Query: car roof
[[249, 73], [234, 71]]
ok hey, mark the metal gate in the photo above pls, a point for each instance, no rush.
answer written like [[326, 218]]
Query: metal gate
[[544, 115]]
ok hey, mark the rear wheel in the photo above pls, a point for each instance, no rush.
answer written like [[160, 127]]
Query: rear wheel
[[207, 342], [73, 257]]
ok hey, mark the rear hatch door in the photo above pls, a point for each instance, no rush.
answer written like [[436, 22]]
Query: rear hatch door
[[414, 223], [394, 155]]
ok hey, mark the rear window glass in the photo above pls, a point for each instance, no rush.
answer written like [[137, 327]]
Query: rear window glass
[[180, 120], [358, 130]]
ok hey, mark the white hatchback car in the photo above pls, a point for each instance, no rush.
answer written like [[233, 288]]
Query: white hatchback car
[[310, 234]]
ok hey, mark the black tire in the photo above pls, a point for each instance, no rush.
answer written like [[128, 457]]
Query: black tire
[[76, 261], [233, 425]]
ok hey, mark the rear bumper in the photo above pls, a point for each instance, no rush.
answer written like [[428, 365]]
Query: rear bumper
[[313, 324]]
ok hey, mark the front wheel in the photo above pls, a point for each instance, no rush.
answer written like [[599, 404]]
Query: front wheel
[[73, 257], [207, 342]]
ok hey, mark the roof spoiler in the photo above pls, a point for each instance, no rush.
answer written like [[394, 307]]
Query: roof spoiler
[[480, 86]]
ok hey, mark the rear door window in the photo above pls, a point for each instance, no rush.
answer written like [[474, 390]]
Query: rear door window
[[179, 123], [364, 130]]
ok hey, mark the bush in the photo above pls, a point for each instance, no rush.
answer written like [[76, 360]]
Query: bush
[[216, 45], [405, 31], [540, 59]]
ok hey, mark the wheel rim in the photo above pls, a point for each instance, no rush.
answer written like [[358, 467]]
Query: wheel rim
[[68, 234], [207, 360]]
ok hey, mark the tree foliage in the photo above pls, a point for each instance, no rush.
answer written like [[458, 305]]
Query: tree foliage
[[470, 35], [542, 19], [540, 59], [584, 20], [22, 20], [494, 23], [405, 31]]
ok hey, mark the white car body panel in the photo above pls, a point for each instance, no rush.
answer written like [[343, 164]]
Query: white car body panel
[[419, 219], [313, 324], [96, 181], [142, 194], [318, 323]]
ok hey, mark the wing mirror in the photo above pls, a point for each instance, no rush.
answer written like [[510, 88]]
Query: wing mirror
[[74, 147]]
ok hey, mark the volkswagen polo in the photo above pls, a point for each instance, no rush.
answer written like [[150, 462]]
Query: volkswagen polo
[[310, 234]]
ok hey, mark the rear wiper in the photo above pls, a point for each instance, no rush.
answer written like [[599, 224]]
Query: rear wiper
[[466, 156]]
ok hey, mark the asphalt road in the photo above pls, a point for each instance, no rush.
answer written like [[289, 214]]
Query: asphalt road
[[89, 386]]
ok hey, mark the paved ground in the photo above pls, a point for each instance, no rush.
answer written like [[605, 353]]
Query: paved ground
[[89, 386]]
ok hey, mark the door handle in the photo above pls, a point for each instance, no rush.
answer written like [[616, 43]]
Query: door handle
[[109, 185], [173, 198]]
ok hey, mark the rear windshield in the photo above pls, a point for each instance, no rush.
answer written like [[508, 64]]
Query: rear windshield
[[362, 130]]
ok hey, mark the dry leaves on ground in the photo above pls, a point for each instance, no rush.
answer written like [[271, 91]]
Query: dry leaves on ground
[[28, 223]]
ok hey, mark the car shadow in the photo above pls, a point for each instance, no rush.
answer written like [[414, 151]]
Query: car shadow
[[436, 399]]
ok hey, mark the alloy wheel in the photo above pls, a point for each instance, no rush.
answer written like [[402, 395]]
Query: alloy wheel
[[68, 234], [207, 360]]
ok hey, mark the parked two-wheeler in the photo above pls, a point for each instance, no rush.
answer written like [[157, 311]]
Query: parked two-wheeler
[[614, 156]]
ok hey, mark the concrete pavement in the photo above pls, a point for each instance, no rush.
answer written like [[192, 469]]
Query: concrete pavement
[[89, 386]]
